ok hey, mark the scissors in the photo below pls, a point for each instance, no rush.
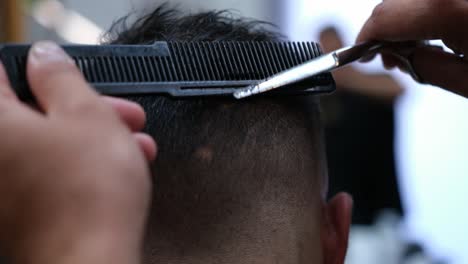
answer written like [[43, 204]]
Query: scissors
[[334, 60]]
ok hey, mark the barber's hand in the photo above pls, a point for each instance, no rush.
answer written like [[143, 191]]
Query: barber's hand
[[414, 20], [74, 183]]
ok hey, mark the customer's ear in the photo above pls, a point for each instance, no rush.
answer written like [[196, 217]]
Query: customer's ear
[[336, 221]]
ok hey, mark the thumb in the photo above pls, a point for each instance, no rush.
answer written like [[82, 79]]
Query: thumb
[[442, 69], [55, 80]]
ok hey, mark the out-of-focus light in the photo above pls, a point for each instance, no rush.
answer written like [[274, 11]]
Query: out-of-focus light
[[68, 24]]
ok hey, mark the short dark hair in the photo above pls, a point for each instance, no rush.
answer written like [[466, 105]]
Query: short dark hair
[[219, 156]]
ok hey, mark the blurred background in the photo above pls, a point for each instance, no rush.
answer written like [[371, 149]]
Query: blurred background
[[400, 148]]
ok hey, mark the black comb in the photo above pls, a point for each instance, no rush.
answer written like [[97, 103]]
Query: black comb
[[179, 69]]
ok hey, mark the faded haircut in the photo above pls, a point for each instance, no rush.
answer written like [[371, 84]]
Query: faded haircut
[[220, 158]]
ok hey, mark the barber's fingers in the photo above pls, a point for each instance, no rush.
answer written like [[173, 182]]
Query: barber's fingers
[[12, 111], [442, 69], [134, 117], [435, 67], [147, 145], [56, 82], [6, 92], [397, 21], [401, 20], [16, 118], [132, 114]]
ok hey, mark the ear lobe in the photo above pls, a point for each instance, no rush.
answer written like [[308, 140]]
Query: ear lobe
[[336, 224]]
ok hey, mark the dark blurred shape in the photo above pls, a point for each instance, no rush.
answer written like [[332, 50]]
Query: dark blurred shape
[[415, 253], [359, 121], [413, 249]]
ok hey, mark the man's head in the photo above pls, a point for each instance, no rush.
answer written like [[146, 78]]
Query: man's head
[[235, 181]]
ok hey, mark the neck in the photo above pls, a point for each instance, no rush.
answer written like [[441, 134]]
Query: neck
[[260, 237]]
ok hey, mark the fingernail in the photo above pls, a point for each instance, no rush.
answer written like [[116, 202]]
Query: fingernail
[[46, 52]]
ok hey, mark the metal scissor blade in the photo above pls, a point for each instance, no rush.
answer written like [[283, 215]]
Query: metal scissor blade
[[329, 62], [316, 66]]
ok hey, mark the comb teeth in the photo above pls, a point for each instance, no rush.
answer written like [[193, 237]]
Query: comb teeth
[[235, 61], [188, 61], [192, 61], [126, 69]]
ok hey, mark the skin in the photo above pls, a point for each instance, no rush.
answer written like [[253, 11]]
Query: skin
[[76, 169], [425, 20]]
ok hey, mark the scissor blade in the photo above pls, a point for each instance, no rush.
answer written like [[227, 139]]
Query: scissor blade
[[314, 67]]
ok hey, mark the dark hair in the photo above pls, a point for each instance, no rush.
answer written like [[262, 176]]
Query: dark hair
[[218, 157], [167, 24]]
